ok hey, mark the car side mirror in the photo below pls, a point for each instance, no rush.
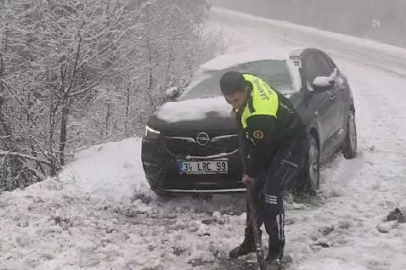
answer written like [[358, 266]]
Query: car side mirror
[[321, 84], [172, 93]]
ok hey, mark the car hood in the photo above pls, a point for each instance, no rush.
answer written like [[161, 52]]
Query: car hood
[[195, 115], [211, 115]]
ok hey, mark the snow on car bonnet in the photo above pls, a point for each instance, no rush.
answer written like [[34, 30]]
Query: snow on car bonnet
[[194, 109]]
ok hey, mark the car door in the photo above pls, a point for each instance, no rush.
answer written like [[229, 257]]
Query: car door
[[343, 96], [335, 94], [323, 104]]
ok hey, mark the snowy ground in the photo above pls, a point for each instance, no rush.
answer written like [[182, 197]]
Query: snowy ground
[[99, 214]]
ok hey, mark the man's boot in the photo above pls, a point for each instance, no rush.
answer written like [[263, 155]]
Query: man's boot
[[277, 261], [273, 257], [247, 246], [274, 260], [275, 252]]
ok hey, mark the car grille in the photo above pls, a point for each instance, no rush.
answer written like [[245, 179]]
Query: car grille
[[189, 147]]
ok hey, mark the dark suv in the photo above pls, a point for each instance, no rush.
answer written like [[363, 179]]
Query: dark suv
[[191, 143]]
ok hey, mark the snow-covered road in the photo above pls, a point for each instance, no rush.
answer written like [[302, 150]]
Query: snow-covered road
[[101, 215]]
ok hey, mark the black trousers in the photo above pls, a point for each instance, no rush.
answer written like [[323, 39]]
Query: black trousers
[[267, 194]]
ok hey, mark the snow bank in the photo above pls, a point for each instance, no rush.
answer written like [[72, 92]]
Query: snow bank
[[112, 170], [100, 214]]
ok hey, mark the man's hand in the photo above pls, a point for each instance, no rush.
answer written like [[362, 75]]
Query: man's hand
[[249, 180]]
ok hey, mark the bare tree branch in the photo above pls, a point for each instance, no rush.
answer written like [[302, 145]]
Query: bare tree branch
[[40, 160], [88, 88]]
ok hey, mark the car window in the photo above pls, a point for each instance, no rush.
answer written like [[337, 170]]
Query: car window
[[316, 65], [331, 62], [325, 68], [279, 74], [311, 69]]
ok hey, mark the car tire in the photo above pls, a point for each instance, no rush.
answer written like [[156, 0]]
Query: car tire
[[349, 148], [159, 192], [312, 170], [155, 187]]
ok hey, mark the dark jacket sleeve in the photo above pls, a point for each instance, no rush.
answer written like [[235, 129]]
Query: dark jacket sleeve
[[261, 131], [242, 142]]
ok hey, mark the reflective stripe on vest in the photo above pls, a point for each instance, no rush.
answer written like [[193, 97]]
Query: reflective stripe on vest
[[264, 100]]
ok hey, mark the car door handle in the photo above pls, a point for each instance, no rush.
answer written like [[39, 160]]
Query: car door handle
[[333, 96]]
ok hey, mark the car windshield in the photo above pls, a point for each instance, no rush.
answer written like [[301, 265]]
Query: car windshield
[[281, 75]]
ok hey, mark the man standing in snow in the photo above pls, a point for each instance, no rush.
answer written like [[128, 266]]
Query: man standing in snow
[[273, 146]]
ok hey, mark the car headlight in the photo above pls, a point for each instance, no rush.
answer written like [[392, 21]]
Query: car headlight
[[152, 133]]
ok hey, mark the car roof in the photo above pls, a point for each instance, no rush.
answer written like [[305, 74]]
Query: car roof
[[226, 61], [230, 60]]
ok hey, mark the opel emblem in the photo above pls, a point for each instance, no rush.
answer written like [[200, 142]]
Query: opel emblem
[[202, 138]]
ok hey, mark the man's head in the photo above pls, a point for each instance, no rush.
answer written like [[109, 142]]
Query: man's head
[[235, 89]]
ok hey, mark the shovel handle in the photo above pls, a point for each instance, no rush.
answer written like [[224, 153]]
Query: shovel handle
[[253, 222]]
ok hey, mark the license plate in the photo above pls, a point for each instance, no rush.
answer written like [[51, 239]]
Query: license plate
[[203, 167]]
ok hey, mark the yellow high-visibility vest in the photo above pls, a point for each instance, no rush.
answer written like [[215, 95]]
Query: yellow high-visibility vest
[[263, 100]]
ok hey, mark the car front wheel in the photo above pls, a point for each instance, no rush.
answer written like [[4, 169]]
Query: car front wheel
[[350, 142], [313, 166], [156, 188]]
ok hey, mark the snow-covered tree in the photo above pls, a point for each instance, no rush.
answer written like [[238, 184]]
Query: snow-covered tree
[[79, 72]]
